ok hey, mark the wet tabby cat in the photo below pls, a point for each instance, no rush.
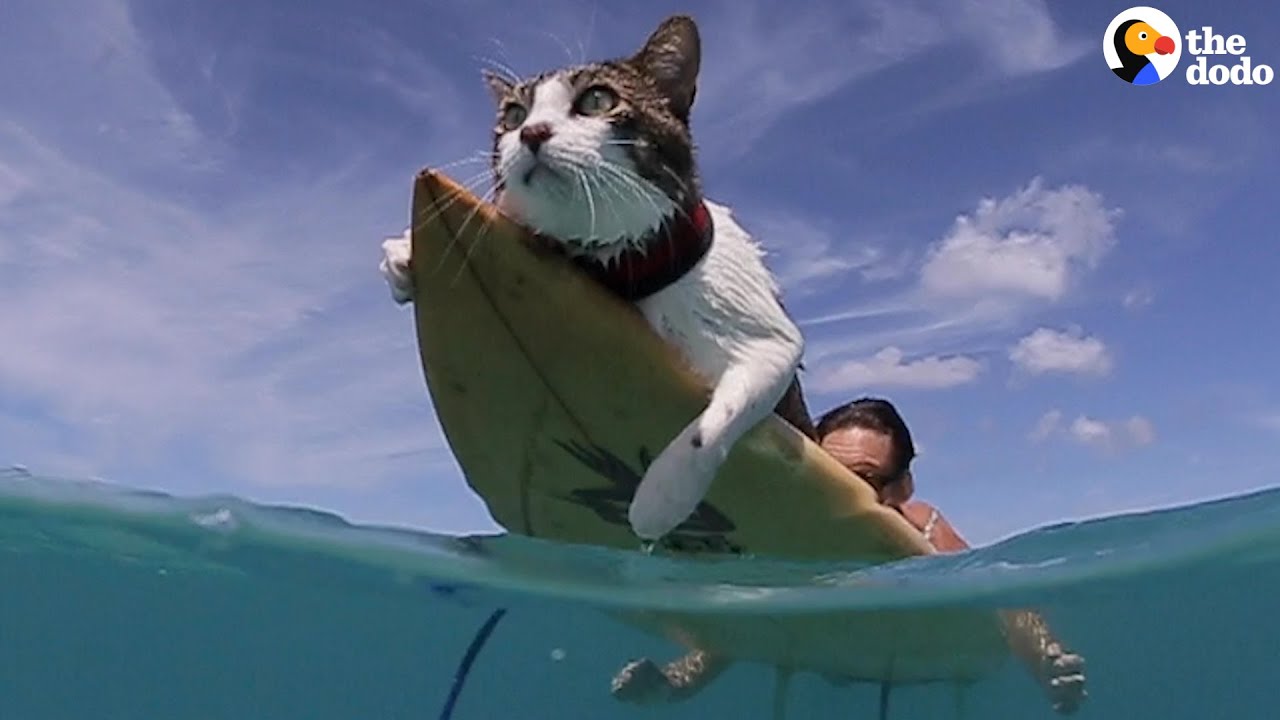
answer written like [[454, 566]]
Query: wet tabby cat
[[599, 158]]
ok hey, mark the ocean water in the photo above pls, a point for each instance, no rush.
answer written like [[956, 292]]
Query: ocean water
[[116, 604]]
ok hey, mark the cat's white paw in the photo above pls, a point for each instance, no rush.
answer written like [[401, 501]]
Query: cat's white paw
[[674, 484], [396, 252]]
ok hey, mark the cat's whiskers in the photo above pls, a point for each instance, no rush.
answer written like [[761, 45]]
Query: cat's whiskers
[[441, 205], [591, 26], [642, 182], [475, 211], [482, 234], [504, 67], [469, 185], [684, 186], [477, 157], [591, 202], [614, 205], [632, 181], [568, 54]]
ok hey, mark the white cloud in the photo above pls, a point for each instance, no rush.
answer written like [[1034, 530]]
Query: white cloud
[[1134, 432], [979, 282], [1046, 426], [1141, 431], [887, 368], [1089, 431], [1069, 352], [1032, 244], [1138, 298]]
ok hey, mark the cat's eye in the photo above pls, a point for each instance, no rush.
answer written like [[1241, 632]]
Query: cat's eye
[[513, 115], [596, 100]]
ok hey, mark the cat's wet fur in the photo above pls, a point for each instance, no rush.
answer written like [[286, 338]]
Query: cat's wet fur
[[599, 157]]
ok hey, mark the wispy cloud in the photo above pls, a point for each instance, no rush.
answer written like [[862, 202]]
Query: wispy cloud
[[160, 328], [1020, 36], [1069, 352], [96, 50], [148, 329], [1046, 426], [805, 256], [1269, 421], [891, 368], [408, 75], [762, 63], [1138, 299]]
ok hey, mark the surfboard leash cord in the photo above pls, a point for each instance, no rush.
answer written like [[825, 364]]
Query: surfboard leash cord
[[464, 667]]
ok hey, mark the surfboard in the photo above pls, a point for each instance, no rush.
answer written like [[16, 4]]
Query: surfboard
[[553, 395]]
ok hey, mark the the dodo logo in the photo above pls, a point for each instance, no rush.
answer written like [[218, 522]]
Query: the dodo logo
[[1142, 46]]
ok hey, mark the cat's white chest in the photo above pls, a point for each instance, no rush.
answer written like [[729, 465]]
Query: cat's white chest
[[725, 303], [672, 315]]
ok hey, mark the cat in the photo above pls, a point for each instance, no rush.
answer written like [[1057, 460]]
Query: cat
[[599, 158]]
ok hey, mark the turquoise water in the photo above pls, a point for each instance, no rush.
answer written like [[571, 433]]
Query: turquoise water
[[140, 606]]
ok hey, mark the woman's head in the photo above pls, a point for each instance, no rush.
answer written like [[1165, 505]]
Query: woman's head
[[869, 437]]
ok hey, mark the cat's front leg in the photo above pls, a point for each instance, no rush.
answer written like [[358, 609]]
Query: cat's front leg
[[396, 252], [680, 476]]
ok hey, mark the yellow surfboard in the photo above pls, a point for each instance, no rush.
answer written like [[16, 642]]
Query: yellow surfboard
[[553, 395]]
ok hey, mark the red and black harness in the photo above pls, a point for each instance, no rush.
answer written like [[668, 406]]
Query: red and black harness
[[662, 258]]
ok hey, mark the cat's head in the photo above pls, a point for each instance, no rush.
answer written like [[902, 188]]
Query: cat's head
[[597, 155]]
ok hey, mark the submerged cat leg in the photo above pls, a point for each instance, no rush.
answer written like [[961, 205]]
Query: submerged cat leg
[[679, 478], [396, 252]]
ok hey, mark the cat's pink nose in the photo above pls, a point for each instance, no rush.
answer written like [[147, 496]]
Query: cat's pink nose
[[534, 135]]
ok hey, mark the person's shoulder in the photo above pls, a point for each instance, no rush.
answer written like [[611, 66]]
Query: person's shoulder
[[919, 512], [943, 536]]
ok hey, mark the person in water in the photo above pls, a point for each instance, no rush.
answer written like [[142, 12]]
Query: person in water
[[869, 437]]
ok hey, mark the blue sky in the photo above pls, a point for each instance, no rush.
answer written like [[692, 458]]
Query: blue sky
[[1065, 282]]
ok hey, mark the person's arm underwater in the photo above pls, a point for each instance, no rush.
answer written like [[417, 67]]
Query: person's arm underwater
[[1059, 672], [643, 682]]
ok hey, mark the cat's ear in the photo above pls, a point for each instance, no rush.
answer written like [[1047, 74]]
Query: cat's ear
[[499, 86], [672, 56]]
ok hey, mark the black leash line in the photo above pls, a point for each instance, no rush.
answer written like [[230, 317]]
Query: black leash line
[[464, 667]]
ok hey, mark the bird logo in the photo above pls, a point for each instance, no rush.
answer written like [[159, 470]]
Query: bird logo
[[1142, 46]]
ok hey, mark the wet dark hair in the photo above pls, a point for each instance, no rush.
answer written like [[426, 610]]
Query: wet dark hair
[[877, 415]]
